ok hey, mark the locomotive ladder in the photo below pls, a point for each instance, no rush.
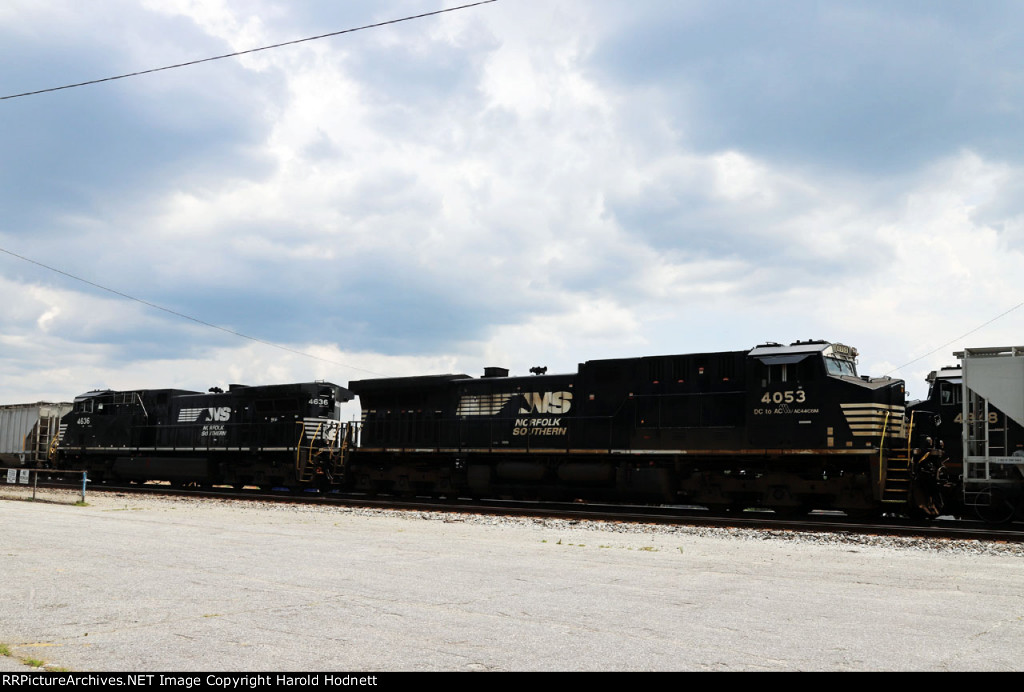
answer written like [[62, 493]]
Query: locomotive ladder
[[896, 482], [894, 472], [305, 462]]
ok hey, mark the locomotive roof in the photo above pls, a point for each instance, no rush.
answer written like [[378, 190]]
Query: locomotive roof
[[804, 348], [426, 382], [109, 392], [268, 390], [950, 373], [398, 383]]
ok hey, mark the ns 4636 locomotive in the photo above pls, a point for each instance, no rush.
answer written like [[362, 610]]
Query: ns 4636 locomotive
[[278, 435], [791, 427]]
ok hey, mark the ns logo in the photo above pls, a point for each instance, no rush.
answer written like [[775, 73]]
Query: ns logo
[[546, 402], [222, 413]]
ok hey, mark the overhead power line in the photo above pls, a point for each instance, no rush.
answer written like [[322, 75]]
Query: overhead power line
[[962, 336], [189, 317], [251, 50]]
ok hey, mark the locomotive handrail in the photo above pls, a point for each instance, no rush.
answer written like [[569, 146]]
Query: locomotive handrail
[[142, 405], [298, 447], [881, 451], [316, 432], [52, 451], [910, 432]]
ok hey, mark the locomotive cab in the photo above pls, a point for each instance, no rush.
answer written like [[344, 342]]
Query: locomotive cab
[[809, 395]]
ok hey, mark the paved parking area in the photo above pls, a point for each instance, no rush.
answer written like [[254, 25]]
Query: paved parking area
[[130, 584]]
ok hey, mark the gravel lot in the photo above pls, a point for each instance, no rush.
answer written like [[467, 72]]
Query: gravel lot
[[139, 583]]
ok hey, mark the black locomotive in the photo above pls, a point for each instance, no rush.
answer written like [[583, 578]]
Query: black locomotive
[[791, 428], [278, 435], [788, 427]]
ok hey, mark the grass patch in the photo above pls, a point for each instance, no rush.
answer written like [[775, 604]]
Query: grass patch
[[5, 650], [34, 662]]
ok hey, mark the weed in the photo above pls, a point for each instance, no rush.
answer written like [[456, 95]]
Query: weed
[[34, 662], [5, 650]]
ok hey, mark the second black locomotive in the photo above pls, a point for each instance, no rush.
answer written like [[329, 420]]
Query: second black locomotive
[[277, 435]]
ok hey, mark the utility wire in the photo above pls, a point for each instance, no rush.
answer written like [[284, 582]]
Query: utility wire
[[949, 343], [189, 317], [251, 50]]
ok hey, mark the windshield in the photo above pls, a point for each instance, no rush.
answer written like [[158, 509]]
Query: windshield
[[840, 367]]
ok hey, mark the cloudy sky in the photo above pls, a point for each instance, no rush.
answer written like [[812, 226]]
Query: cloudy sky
[[528, 182]]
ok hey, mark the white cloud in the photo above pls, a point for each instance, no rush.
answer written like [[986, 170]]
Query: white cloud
[[556, 214]]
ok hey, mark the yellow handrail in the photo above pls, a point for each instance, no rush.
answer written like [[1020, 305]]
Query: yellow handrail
[[910, 433], [318, 427], [53, 445], [881, 448], [298, 446]]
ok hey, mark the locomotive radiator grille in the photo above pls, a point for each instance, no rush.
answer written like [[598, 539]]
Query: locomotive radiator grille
[[327, 427], [482, 404], [189, 415]]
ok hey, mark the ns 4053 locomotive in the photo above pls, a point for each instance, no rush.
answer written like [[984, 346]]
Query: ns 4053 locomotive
[[791, 427]]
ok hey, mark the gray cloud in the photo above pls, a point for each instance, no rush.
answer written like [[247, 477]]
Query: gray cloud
[[520, 184], [868, 86]]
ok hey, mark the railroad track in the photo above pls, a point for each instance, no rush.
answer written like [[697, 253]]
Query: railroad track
[[819, 522]]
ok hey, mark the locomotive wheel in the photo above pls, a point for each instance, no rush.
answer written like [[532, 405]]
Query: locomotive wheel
[[994, 506]]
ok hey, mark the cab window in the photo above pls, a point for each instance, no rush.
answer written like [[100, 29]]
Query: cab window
[[840, 367]]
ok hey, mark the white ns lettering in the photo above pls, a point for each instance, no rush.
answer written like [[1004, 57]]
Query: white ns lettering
[[220, 414], [547, 402]]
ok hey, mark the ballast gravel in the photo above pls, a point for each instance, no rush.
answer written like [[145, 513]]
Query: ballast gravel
[[157, 583]]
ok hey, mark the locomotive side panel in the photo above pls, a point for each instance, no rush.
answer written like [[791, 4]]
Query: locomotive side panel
[[524, 413], [687, 402]]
